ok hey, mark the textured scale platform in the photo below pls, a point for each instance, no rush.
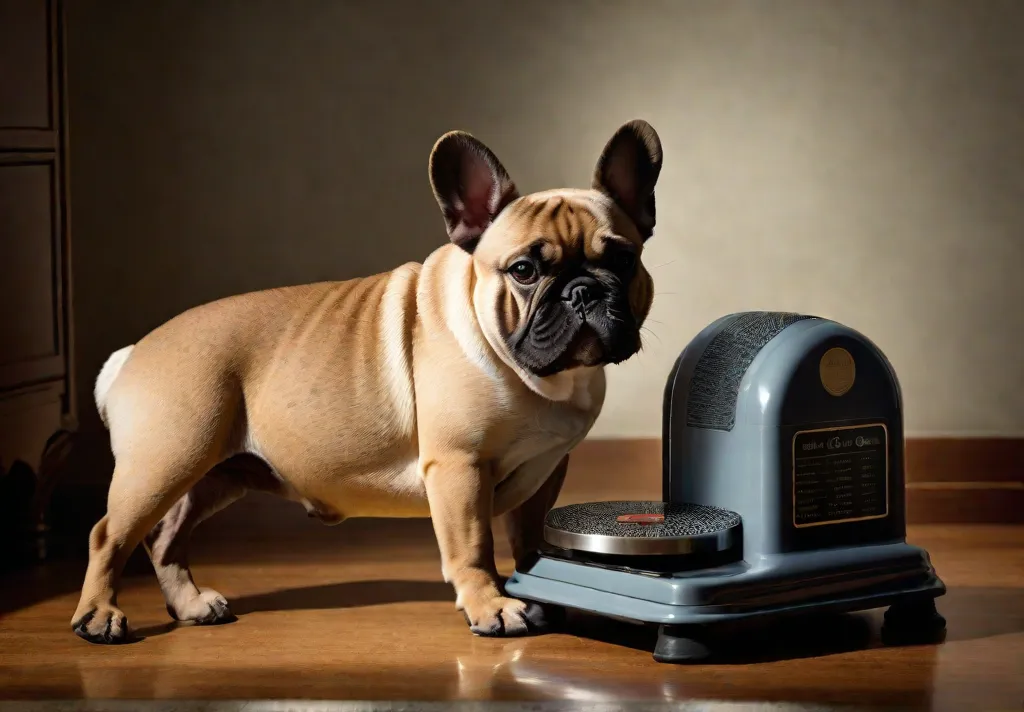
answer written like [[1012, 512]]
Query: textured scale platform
[[677, 521]]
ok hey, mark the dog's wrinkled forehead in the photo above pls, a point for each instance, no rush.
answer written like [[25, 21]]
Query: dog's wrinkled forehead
[[566, 223]]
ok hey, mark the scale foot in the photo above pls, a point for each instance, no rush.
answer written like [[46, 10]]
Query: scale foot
[[681, 644], [913, 622], [555, 617]]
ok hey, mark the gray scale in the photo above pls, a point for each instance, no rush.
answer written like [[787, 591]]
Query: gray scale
[[783, 495]]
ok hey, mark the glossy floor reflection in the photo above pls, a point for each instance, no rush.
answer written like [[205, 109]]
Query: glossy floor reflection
[[359, 612]]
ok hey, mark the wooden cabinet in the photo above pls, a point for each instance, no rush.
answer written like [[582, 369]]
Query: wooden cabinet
[[35, 375]]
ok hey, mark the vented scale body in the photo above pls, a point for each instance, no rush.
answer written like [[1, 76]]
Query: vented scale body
[[794, 425]]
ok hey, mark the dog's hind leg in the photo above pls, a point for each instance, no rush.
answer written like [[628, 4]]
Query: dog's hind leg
[[167, 543], [163, 445]]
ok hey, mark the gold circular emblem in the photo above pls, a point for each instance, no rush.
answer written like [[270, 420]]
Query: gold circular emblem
[[837, 371]]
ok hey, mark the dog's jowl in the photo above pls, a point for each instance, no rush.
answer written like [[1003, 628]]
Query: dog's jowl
[[453, 390]]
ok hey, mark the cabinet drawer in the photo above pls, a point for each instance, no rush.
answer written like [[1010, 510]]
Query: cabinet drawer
[[26, 97], [31, 264]]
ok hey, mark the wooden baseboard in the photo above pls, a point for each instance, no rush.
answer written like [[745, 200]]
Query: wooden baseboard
[[949, 480]]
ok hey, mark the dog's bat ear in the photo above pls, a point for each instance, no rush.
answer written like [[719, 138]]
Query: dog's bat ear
[[628, 171], [470, 185]]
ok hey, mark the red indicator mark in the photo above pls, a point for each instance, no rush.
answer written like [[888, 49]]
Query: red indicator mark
[[640, 518]]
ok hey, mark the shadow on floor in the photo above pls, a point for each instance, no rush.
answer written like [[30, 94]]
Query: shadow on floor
[[24, 589], [351, 594]]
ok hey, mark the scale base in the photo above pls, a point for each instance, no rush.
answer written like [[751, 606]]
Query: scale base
[[688, 606]]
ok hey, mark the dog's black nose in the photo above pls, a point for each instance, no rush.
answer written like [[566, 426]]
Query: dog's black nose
[[580, 291]]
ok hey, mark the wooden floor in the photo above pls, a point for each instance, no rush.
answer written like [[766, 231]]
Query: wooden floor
[[359, 612]]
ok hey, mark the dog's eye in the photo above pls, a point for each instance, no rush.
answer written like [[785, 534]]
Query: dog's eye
[[523, 272], [623, 260]]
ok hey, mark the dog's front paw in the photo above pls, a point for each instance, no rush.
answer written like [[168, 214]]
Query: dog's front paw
[[500, 616], [208, 608], [102, 624]]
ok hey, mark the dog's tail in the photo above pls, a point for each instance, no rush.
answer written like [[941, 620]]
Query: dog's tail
[[108, 374]]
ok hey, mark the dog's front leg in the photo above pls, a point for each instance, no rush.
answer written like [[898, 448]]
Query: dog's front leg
[[460, 493], [524, 525]]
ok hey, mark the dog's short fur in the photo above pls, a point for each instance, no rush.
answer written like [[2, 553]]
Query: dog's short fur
[[454, 389]]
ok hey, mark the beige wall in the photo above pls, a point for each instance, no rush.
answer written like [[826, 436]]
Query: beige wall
[[859, 160]]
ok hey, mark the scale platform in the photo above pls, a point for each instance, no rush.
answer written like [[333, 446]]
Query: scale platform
[[783, 495], [643, 529]]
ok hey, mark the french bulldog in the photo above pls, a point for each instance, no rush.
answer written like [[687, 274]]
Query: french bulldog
[[454, 389]]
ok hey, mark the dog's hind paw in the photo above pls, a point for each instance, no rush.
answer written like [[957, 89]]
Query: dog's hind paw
[[103, 625], [208, 608]]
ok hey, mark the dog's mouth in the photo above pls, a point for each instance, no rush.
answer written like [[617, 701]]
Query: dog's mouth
[[585, 349], [588, 348]]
